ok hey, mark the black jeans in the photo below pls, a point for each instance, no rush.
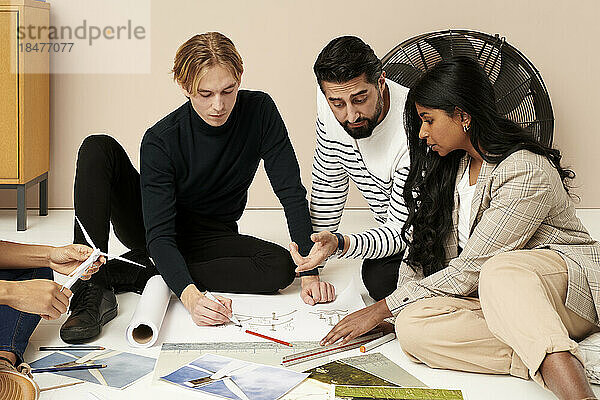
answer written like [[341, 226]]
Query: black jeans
[[380, 276], [221, 259], [107, 190]]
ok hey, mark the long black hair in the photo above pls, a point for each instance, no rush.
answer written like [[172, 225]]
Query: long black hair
[[455, 83]]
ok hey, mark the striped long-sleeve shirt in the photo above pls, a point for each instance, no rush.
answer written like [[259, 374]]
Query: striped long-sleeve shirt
[[378, 166]]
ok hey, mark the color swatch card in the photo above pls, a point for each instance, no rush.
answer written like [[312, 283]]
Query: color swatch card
[[394, 393], [338, 373], [235, 379], [379, 365]]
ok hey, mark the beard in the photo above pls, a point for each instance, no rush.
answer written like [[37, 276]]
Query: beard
[[366, 130]]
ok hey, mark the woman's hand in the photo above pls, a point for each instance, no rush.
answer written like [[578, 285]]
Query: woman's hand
[[36, 296], [358, 323], [66, 258]]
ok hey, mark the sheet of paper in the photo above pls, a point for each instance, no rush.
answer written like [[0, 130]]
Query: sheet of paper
[[122, 369], [309, 390], [284, 317], [237, 380]]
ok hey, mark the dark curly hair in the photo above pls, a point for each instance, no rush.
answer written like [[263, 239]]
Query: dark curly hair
[[458, 82]]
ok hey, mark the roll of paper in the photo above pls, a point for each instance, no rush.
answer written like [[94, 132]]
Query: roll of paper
[[145, 324]]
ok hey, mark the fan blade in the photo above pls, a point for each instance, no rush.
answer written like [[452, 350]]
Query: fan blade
[[85, 234], [83, 266], [122, 259], [511, 86], [234, 388], [403, 74], [452, 45]]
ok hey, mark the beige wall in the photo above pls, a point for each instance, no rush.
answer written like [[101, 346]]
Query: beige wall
[[279, 40]]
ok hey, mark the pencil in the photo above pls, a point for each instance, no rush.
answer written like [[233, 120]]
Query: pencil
[[377, 342], [71, 368], [61, 386], [268, 338], [63, 348], [213, 298]]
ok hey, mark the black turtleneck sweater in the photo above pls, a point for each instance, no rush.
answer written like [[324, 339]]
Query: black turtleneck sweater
[[191, 171]]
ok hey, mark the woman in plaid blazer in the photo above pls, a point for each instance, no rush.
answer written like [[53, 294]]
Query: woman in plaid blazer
[[508, 282]]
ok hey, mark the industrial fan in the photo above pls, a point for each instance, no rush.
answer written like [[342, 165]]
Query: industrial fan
[[520, 92]]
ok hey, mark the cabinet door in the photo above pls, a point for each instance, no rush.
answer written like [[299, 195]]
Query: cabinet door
[[9, 95]]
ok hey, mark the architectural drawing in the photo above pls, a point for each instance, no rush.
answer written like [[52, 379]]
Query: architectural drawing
[[275, 321], [284, 317], [332, 317]]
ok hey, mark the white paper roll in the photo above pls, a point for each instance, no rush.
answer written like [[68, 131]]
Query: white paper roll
[[145, 324]]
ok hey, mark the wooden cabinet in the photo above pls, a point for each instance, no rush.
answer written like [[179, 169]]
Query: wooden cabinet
[[24, 102]]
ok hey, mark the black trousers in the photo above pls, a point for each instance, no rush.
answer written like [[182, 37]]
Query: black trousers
[[107, 190], [221, 259], [380, 276]]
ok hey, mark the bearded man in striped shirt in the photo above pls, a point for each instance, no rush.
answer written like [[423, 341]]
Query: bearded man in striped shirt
[[360, 136]]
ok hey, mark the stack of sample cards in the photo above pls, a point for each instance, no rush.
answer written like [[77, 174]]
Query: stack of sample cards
[[365, 370]]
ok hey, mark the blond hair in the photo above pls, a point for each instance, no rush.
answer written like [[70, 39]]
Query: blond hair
[[202, 51]]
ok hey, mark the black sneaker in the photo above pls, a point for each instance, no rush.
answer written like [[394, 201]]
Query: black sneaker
[[91, 307], [125, 277]]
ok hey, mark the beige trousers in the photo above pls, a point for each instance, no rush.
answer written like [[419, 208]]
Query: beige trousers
[[518, 318]]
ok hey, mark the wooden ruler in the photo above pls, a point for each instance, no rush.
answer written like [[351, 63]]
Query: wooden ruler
[[324, 351]]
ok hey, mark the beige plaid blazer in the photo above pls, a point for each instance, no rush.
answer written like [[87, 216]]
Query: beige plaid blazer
[[518, 204]]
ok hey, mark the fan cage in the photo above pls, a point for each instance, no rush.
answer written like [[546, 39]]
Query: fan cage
[[521, 94]]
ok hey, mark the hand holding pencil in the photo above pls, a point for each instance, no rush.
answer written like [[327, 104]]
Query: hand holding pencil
[[205, 311], [236, 322]]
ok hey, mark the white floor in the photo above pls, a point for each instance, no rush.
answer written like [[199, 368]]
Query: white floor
[[56, 229]]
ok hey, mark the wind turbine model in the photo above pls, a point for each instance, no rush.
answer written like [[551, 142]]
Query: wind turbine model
[[79, 271]]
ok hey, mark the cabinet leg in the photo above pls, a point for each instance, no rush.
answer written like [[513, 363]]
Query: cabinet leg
[[43, 189], [21, 208]]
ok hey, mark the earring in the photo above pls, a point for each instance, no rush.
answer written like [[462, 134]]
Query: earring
[[465, 128]]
